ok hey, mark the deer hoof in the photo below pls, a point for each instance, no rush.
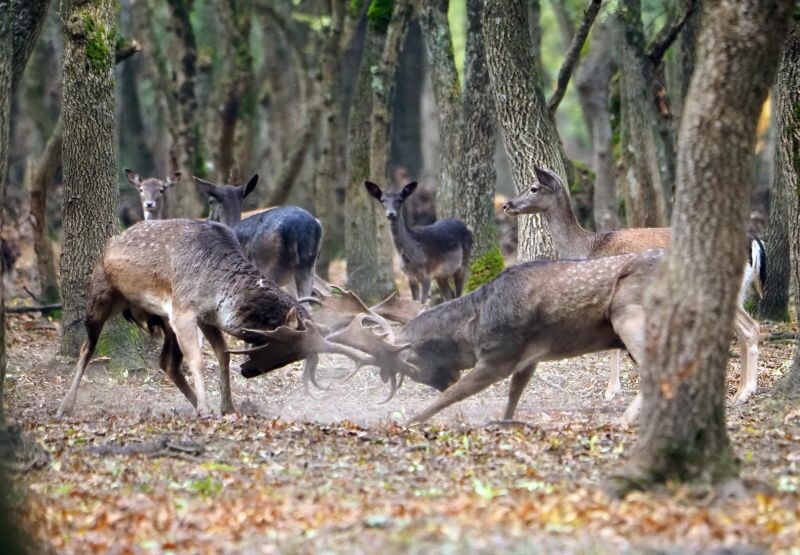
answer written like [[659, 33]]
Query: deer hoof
[[612, 391], [742, 395], [227, 408], [204, 412]]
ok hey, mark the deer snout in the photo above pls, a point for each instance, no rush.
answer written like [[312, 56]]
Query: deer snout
[[391, 214], [149, 204], [508, 208]]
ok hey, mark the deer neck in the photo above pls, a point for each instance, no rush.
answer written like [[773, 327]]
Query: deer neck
[[403, 236], [569, 238]]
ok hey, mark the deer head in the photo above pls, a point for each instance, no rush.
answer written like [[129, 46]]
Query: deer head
[[151, 192], [225, 201], [544, 195], [392, 201]]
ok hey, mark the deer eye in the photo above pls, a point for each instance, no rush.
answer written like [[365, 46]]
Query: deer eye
[[535, 189], [162, 191], [141, 190]]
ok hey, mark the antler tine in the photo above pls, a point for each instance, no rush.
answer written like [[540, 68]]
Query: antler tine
[[393, 385], [310, 372], [315, 300]]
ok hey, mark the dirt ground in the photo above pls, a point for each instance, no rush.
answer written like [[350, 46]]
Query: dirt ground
[[338, 472]]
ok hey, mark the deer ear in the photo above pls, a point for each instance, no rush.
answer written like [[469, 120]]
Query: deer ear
[[173, 179], [247, 189], [408, 189], [547, 178], [206, 188], [373, 190], [133, 177]]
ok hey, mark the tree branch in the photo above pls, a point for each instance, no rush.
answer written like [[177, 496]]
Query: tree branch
[[571, 57], [125, 50], [667, 35]]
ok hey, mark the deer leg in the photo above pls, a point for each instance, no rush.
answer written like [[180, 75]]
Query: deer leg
[[519, 381], [170, 362], [614, 362], [482, 376], [747, 331], [414, 287], [458, 278], [101, 308], [425, 290], [629, 322], [184, 324], [444, 287], [217, 341]]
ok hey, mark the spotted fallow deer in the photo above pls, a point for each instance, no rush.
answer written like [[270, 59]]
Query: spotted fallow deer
[[548, 196], [531, 313], [152, 192], [186, 277]]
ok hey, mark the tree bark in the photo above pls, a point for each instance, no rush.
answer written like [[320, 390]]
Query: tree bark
[[474, 189], [6, 65], [406, 123], [447, 93], [647, 190], [27, 19], [191, 162], [40, 181], [592, 81], [787, 96], [529, 135], [291, 168], [682, 435], [238, 108], [91, 197]]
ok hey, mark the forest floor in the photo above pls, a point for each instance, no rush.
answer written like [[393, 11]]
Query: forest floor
[[338, 473]]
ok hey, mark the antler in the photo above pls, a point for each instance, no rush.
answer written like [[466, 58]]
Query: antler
[[339, 309], [398, 310]]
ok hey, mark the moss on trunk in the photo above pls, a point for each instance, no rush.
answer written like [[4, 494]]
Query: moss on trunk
[[485, 268]]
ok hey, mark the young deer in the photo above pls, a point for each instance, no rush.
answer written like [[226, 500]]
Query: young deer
[[531, 313], [282, 242], [186, 277], [438, 251], [152, 192], [549, 197]]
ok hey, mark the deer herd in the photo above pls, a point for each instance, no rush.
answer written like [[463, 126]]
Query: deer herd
[[224, 275]]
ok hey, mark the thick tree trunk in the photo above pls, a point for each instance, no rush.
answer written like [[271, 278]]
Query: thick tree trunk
[[682, 435], [787, 96], [40, 181], [474, 189], [647, 189], [91, 197], [190, 144], [238, 108], [775, 304], [362, 239], [5, 115], [529, 135], [406, 123], [447, 93], [593, 79]]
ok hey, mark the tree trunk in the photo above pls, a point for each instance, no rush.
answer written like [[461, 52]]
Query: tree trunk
[[406, 123], [529, 135], [5, 114], [447, 93], [593, 79], [787, 96], [27, 19], [91, 197], [682, 435], [40, 181], [191, 162], [362, 241], [648, 191], [239, 104], [535, 31], [474, 189], [684, 58]]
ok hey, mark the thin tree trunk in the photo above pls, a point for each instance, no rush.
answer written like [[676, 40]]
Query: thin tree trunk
[[40, 181], [191, 162], [474, 191], [27, 20], [647, 190], [787, 96], [529, 135], [593, 80], [5, 114], [447, 93], [682, 435], [535, 31], [291, 168], [91, 197]]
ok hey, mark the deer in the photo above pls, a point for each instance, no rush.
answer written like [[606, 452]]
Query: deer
[[185, 277], [283, 242], [548, 196], [533, 312], [439, 251], [152, 192]]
